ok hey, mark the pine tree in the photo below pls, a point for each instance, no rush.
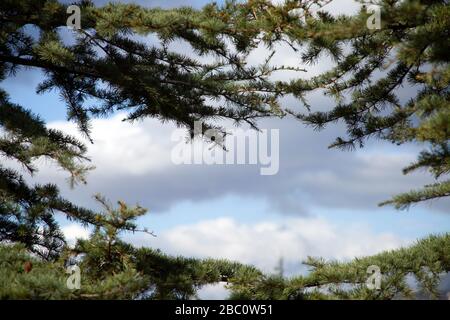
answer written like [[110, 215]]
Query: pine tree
[[410, 49], [121, 74], [27, 212], [110, 268], [425, 262], [107, 65]]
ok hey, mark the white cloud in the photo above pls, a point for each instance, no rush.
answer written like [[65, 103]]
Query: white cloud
[[213, 292], [124, 147], [264, 243], [72, 232]]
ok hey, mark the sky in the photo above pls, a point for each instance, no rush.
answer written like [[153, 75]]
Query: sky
[[322, 202]]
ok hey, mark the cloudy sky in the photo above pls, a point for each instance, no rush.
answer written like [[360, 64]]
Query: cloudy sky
[[322, 202]]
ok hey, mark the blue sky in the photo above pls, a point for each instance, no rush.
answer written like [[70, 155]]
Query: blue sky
[[322, 202]]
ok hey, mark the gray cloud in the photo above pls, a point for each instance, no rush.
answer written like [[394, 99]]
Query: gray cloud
[[134, 165]]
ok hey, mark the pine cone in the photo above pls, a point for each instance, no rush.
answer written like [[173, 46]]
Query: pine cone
[[27, 266]]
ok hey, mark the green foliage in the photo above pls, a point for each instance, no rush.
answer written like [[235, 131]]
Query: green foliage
[[411, 49], [425, 262], [119, 271], [111, 268], [120, 73], [107, 66], [44, 281], [27, 212]]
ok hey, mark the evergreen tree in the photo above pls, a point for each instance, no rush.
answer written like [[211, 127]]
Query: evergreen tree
[[27, 212], [110, 268], [120, 73], [410, 49], [425, 262], [105, 64]]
